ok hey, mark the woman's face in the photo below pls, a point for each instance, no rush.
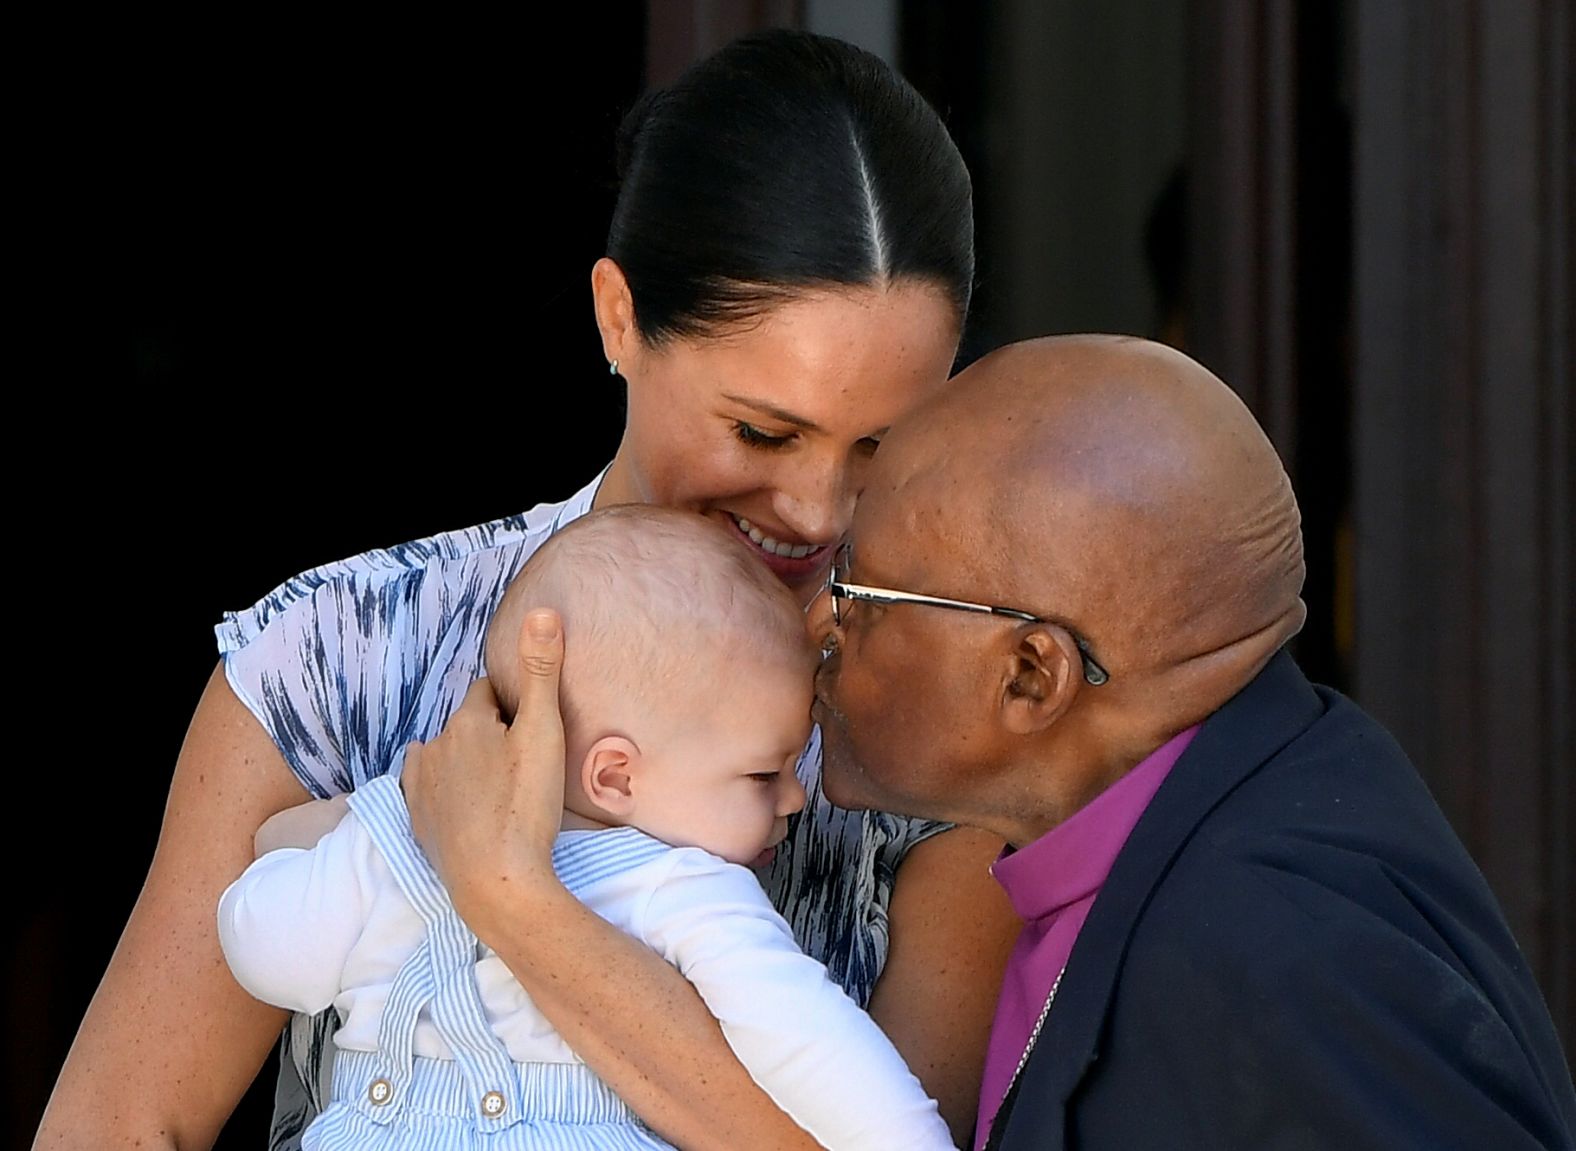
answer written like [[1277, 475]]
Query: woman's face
[[769, 429]]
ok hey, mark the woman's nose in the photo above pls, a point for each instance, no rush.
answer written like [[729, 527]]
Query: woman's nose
[[817, 501]]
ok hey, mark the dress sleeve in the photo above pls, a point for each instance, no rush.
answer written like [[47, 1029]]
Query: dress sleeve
[[809, 1046], [347, 664], [288, 924]]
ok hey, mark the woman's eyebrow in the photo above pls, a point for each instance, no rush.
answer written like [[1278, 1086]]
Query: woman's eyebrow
[[774, 411]]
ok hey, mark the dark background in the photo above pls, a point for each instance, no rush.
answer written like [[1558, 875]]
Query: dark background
[[342, 300], [325, 287]]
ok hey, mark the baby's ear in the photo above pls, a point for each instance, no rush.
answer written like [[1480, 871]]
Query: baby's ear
[[605, 775]]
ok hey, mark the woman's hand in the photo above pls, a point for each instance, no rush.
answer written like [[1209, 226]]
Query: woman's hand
[[486, 799]]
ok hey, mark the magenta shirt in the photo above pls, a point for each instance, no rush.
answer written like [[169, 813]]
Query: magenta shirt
[[1052, 883]]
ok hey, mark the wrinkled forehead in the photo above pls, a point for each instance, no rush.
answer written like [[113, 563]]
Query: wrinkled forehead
[[922, 516]]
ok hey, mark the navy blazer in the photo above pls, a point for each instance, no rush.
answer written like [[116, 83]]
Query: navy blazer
[[1294, 950]]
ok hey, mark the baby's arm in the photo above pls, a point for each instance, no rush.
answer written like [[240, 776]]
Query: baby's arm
[[809, 1046], [300, 826], [288, 924]]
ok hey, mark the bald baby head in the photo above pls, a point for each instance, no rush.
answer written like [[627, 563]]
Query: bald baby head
[[660, 607]]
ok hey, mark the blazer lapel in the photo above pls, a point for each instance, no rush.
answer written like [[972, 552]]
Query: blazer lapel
[[1266, 715]]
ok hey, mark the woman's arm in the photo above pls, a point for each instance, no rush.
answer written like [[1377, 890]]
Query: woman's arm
[[485, 802], [952, 929], [170, 1042]]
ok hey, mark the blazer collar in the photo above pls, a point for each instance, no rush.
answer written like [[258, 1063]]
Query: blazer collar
[[1261, 719]]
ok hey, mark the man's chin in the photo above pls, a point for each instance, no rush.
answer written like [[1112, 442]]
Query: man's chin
[[844, 782], [840, 776], [835, 786]]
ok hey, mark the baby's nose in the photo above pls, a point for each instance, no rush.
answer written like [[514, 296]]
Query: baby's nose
[[791, 795]]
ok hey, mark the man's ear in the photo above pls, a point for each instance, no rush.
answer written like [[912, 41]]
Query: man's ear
[[615, 311], [1042, 677], [605, 775]]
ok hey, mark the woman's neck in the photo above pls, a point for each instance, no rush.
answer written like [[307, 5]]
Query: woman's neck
[[617, 486]]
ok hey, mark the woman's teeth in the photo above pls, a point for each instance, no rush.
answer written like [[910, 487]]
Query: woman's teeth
[[765, 542]]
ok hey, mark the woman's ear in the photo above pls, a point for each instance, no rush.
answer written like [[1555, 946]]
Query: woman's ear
[[615, 311], [605, 776], [1043, 672]]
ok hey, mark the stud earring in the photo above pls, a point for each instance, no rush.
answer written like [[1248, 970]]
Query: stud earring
[[612, 368]]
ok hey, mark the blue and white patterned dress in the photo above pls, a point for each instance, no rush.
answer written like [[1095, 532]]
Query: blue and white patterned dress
[[346, 664]]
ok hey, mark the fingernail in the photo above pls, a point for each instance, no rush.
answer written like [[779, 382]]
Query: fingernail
[[542, 624]]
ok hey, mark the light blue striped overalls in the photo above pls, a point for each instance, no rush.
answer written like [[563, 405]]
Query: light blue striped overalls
[[394, 1100]]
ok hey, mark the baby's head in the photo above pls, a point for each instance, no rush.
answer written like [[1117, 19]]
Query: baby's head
[[687, 677]]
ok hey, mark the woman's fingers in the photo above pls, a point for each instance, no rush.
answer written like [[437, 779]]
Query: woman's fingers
[[537, 734], [450, 785], [486, 800]]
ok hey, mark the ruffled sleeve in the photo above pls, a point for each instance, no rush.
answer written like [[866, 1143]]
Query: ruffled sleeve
[[346, 664]]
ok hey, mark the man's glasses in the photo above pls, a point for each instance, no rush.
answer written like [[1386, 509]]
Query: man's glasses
[[839, 589]]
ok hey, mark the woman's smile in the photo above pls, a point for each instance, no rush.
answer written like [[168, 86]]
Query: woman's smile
[[793, 563], [769, 544]]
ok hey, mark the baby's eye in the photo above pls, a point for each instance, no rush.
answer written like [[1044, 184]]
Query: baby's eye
[[764, 776], [755, 438]]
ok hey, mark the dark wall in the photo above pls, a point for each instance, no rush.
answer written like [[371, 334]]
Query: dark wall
[[343, 300]]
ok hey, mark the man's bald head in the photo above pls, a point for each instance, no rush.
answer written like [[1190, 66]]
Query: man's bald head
[[1113, 486], [1118, 482]]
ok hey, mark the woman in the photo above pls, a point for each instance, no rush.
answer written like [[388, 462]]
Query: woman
[[789, 267]]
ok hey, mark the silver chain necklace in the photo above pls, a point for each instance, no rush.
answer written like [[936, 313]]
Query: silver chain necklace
[[1034, 1035]]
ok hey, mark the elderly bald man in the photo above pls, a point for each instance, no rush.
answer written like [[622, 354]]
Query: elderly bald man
[[1246, 923]]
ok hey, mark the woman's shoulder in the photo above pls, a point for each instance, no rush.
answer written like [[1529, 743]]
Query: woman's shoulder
[[446, 554]]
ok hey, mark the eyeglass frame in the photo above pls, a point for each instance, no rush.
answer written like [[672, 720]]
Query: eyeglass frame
[[836, 589]]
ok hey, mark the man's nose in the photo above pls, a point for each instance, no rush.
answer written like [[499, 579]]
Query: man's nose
[[818, 620]]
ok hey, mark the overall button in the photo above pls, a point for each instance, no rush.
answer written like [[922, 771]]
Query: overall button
[[493, 1104], [380, 1092]]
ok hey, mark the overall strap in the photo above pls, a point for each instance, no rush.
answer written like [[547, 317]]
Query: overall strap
[[445, 977]]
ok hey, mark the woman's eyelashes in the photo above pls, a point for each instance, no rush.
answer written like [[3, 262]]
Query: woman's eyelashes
[[755, 438], [748, 433]]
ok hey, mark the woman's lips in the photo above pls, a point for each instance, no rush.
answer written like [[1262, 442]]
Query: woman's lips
[[800, 561], [769, 543]]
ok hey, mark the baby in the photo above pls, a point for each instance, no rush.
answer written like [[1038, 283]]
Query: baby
[[686, 693]]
